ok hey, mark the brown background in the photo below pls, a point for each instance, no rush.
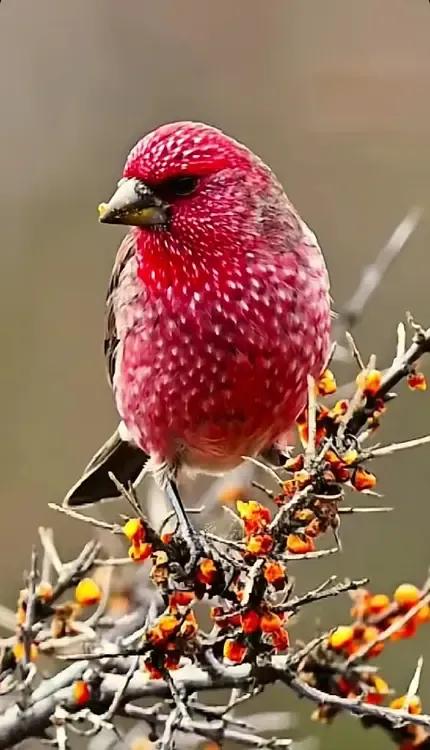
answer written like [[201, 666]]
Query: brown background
[[334, 95]]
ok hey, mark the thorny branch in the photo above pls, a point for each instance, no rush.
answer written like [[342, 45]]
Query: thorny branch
[[143, 641]]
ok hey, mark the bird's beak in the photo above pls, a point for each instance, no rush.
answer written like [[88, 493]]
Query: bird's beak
[[134, 203]]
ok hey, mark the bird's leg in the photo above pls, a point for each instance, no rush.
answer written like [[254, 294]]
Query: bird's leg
[[189, 534], [165, 476]]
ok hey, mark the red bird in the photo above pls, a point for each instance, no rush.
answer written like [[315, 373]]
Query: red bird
[[217, 311]]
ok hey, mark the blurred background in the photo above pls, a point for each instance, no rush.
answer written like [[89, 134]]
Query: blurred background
[[335, 96]]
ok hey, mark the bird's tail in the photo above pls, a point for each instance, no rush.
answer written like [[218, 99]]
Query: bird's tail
[[121, 458]]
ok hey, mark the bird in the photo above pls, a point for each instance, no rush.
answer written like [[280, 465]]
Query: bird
[[217, 312]]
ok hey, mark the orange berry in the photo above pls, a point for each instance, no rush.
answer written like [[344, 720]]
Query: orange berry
[[140, 551], [379, 690], [270, 622], [181, 598], [255, 515], [295, 464], [378, 602], [374, 698], [413, 705], [423, 614], [168, 624], [87, 592], [341, 637], [233, 620], [153, 671], [216, 613], [369, 381], [342, 474], [81, 692], [333, 459], [134, 530], [172, 660], [207, 572], [300, 545], [44, 591], [350, 456], [289, 487], [260, 544], [302, 478], [189, 626], [370, 634], [399, 703], [20, 615], [326, 385], [362, 479], [407, 630], [302, 429], [417, 381], [346, 688], [274, 573], [305, 515], [18, 651], [234, 651], [166, 627], [281, 640], [313, 528], [339, 409], [406, 595], [380, 685], [250, 621]]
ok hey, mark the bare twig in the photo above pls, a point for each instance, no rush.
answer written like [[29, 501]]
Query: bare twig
[[374, 273]]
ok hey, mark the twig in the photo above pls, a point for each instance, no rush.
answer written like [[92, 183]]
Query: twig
[[26, 630], [59, 721], [321, 592], [393, 717], [120, 692], [312, 423], [214, 730], [114, 528], [366, 509], [387, 450], [310, 555], [374, 273], [401, 342], [414, 684], [268, 469], [354, 350]]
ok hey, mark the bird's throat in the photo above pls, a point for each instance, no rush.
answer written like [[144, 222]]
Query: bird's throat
[[164, 262]]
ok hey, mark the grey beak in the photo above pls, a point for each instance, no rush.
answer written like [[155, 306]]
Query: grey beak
[[134, 203]]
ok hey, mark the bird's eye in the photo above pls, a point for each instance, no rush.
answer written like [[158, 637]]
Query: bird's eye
[[184, 185]]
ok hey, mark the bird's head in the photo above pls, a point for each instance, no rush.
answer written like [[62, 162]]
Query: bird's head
[[192, 191]]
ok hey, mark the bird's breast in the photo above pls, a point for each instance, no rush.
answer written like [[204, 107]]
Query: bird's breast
[[222, 371]]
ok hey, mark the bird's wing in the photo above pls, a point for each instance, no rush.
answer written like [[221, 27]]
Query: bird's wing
[[125, 254], [118, 456], [121, 458]]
